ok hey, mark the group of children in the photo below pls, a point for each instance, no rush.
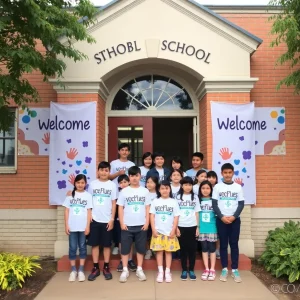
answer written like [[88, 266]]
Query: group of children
[[161, 210]]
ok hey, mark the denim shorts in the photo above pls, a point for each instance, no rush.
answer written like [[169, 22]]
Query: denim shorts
[[77, 239]]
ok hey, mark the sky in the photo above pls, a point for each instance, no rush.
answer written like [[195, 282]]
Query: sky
[[208, 2]]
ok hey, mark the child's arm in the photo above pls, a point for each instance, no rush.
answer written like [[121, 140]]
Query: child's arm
[[112, 176], [145, 227], [197, 218], [174, 228], [110, 224], [67, 228], [215, 206], [121, 217], [241, 204], [152, 220], [88, 222]]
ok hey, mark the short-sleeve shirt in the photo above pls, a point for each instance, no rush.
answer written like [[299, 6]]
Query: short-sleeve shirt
[[192, 173], [165, 210], [196, 189], [228, 196], [78, 206], [103, 194], [134, 201], [188, 209], [144, 172], [118, 165], [175, 190]]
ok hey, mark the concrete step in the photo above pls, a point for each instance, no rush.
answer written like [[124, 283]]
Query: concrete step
[[63, 264]]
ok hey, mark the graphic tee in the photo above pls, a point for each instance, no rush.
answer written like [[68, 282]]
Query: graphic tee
[[207, 217], [165, 210], [117, 165], [175, 190], [78, 207], [196, 189], [152, 196], [144, 172], [228, 196], [103, 194], [134, 201], [188, 209], [161, 174]]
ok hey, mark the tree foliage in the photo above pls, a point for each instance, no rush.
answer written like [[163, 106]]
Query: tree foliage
[[286, 28], [22, 24]]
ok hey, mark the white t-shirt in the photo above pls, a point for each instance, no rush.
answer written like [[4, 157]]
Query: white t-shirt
[[103, 194], [165, 210], [152, 196], [192, 173], [161, 174], [144, 172], [196, 189], [188, 210], [134, 201], [228, 196], [117, 165], [78, 207], [175, 190]]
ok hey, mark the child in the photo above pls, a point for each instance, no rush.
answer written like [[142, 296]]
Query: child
[[164, 220], [228, 203], [201, 176], [104, 193], [152, 186], [197, 160], [77, 224], [159, 171], [187, 227], [120, 166], [147, 165], [208, 230], [134, 202], [176, 176], [176, 164], [212, 177]]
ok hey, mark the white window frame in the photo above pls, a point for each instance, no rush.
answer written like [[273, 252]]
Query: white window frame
[[12, 169]]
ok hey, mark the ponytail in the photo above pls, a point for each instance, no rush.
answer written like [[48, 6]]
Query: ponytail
[[73, 192]]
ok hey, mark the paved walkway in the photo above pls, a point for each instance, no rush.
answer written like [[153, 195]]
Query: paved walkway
[[250, 289]]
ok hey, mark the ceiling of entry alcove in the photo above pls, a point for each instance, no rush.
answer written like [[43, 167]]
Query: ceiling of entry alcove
[[152, 66]]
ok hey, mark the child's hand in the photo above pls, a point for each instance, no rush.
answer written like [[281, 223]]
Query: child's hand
[[231, 219], [123, 227], [225, 220], [178, 232], [110, 225], [154, 233], [121, 172], [197, 231], [67, 230], [172, 234], [87, 231], [145, 227], [69, 193]]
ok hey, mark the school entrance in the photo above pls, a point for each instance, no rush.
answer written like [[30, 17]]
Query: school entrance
[[153, 113]]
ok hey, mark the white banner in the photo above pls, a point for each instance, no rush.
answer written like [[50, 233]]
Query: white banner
[[72, 147], [234, 142]]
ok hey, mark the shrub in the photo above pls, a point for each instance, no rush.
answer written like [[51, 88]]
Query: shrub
[[282, 254], [14, 268]]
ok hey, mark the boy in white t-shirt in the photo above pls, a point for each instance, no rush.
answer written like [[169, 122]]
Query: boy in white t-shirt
[[134, 204], [104, 193], [120, 166], [228, 203]]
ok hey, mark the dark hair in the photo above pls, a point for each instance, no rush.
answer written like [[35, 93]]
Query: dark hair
[[198, 154], [77, 178], [212, 174], [227, 166], [186, 180], [178, 160], [123, 145], [165, 183], [176, 170], [103, 165], [145, 155], [200, 172], [134, 170], [155, 180], [157, 153], [201, 185], [123, 177]]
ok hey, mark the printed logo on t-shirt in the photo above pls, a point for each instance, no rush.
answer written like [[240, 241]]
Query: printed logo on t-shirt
[[205, 217], [143, 178], [206, 206], [228, 203], [163, 218], [122, 168], [228, 195], [135, 203], [101, 195], [76, 211]]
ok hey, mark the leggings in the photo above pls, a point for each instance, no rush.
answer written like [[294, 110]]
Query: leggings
[[208, 246], [187, 241]]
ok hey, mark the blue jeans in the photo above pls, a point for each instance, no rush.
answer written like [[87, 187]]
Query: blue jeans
[[229, 233], [77, 240]]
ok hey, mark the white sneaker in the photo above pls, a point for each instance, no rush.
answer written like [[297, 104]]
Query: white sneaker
[[124, 276], [115, 251], [72, 276], [168, 277], [148, 254], [81, 276], [141, 275], [160, 277]]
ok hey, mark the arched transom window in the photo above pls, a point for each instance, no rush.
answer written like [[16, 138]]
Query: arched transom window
[[152, 92]]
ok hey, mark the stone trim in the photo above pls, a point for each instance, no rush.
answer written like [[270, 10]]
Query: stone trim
[[275, 213], [27, 214]]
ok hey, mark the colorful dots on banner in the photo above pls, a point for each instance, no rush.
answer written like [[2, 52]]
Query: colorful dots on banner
[[26, 119], [274, 114], [280, 119]]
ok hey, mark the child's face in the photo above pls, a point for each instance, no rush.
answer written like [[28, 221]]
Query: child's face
[[123, 184], [135, 179], [212, 180], [187, 188], [124, 153], [148, 162], [150, 184], [176, 165], [202, 177], [103, 173], [176, 177], [164, 191], [196, 162], [159, 161], [205, 190], [227, 175], [80, 185]]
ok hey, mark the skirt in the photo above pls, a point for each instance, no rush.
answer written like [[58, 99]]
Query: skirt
[[209, 237], [164, 243]]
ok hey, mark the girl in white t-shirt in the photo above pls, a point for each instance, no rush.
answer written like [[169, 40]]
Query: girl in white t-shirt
[[187, 230], [176, 176], [147, 165], [164, 215], [77, 224], [201, 175]]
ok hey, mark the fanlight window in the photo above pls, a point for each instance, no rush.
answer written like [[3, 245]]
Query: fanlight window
[[152, 92]]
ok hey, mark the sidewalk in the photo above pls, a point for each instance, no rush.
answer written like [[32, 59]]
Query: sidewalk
[[250, 289]]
